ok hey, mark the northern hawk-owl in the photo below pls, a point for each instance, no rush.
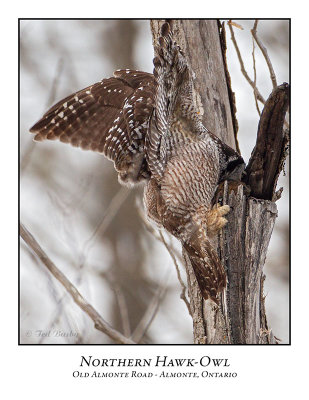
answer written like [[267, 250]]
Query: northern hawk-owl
[[151, 128]]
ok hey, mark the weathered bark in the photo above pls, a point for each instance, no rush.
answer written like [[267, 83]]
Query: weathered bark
[[242, 246], [270, 151]]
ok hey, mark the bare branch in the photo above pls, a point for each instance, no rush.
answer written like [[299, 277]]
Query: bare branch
[[58, 300], [242, 67], [149, 315], [183, 286], [51, 98], [175, 251], [255, 88], [236, 25], [265, 54], [108, 216], [257, 94], [99, 322], [122, 305]]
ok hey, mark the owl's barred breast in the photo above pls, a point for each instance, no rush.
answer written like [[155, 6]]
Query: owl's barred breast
[[191, 177]]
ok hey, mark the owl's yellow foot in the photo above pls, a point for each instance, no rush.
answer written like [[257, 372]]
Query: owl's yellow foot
[[215, 220]]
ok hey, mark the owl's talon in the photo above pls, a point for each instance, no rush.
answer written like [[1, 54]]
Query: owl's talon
[[215, 220], [221, 210]]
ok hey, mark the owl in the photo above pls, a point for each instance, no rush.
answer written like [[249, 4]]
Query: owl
[[150, 127]]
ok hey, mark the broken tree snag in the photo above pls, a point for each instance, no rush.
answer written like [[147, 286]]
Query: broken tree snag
[[270, 151], [240, 317], [243, 247]]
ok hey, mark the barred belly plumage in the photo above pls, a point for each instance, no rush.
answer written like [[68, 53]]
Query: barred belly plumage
[[191, 177]]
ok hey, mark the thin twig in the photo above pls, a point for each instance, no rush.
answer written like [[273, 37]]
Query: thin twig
[[59, 300], [257, 94], [51, 98], [183, 286], [254, 70], [83, 252], [149, 315], [51, 284], [123, 308], [108, 216], [242, 67], [175, 251], [99, 322], [265, 54]]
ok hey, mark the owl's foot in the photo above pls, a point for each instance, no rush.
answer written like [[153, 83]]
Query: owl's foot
[[215, 220]]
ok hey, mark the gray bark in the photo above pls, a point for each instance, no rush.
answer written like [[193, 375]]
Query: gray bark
[[240, 316]]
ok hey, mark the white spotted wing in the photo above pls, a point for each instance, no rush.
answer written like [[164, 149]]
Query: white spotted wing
[[110, 117]]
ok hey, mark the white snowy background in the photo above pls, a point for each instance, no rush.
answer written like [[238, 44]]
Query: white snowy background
[[125, 273]]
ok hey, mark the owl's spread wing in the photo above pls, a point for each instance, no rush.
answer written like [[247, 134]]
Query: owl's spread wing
[[110, 117]]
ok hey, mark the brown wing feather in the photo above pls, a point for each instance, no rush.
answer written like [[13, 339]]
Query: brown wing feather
[[110, 117]]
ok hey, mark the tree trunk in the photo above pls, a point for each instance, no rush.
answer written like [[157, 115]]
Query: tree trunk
[[242, 246]]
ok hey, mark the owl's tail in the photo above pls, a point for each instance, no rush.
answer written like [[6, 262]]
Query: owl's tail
[[208, 270]]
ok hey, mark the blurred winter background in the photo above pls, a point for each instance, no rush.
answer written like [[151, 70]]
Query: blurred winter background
[[91, 227]]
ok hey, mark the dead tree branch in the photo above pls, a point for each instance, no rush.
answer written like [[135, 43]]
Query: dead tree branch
[[109, 214], [265, 54], [51, 98], [242, 66], [183, 286], [149, 315], [99, 322], [255, 88], [270, 151]]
